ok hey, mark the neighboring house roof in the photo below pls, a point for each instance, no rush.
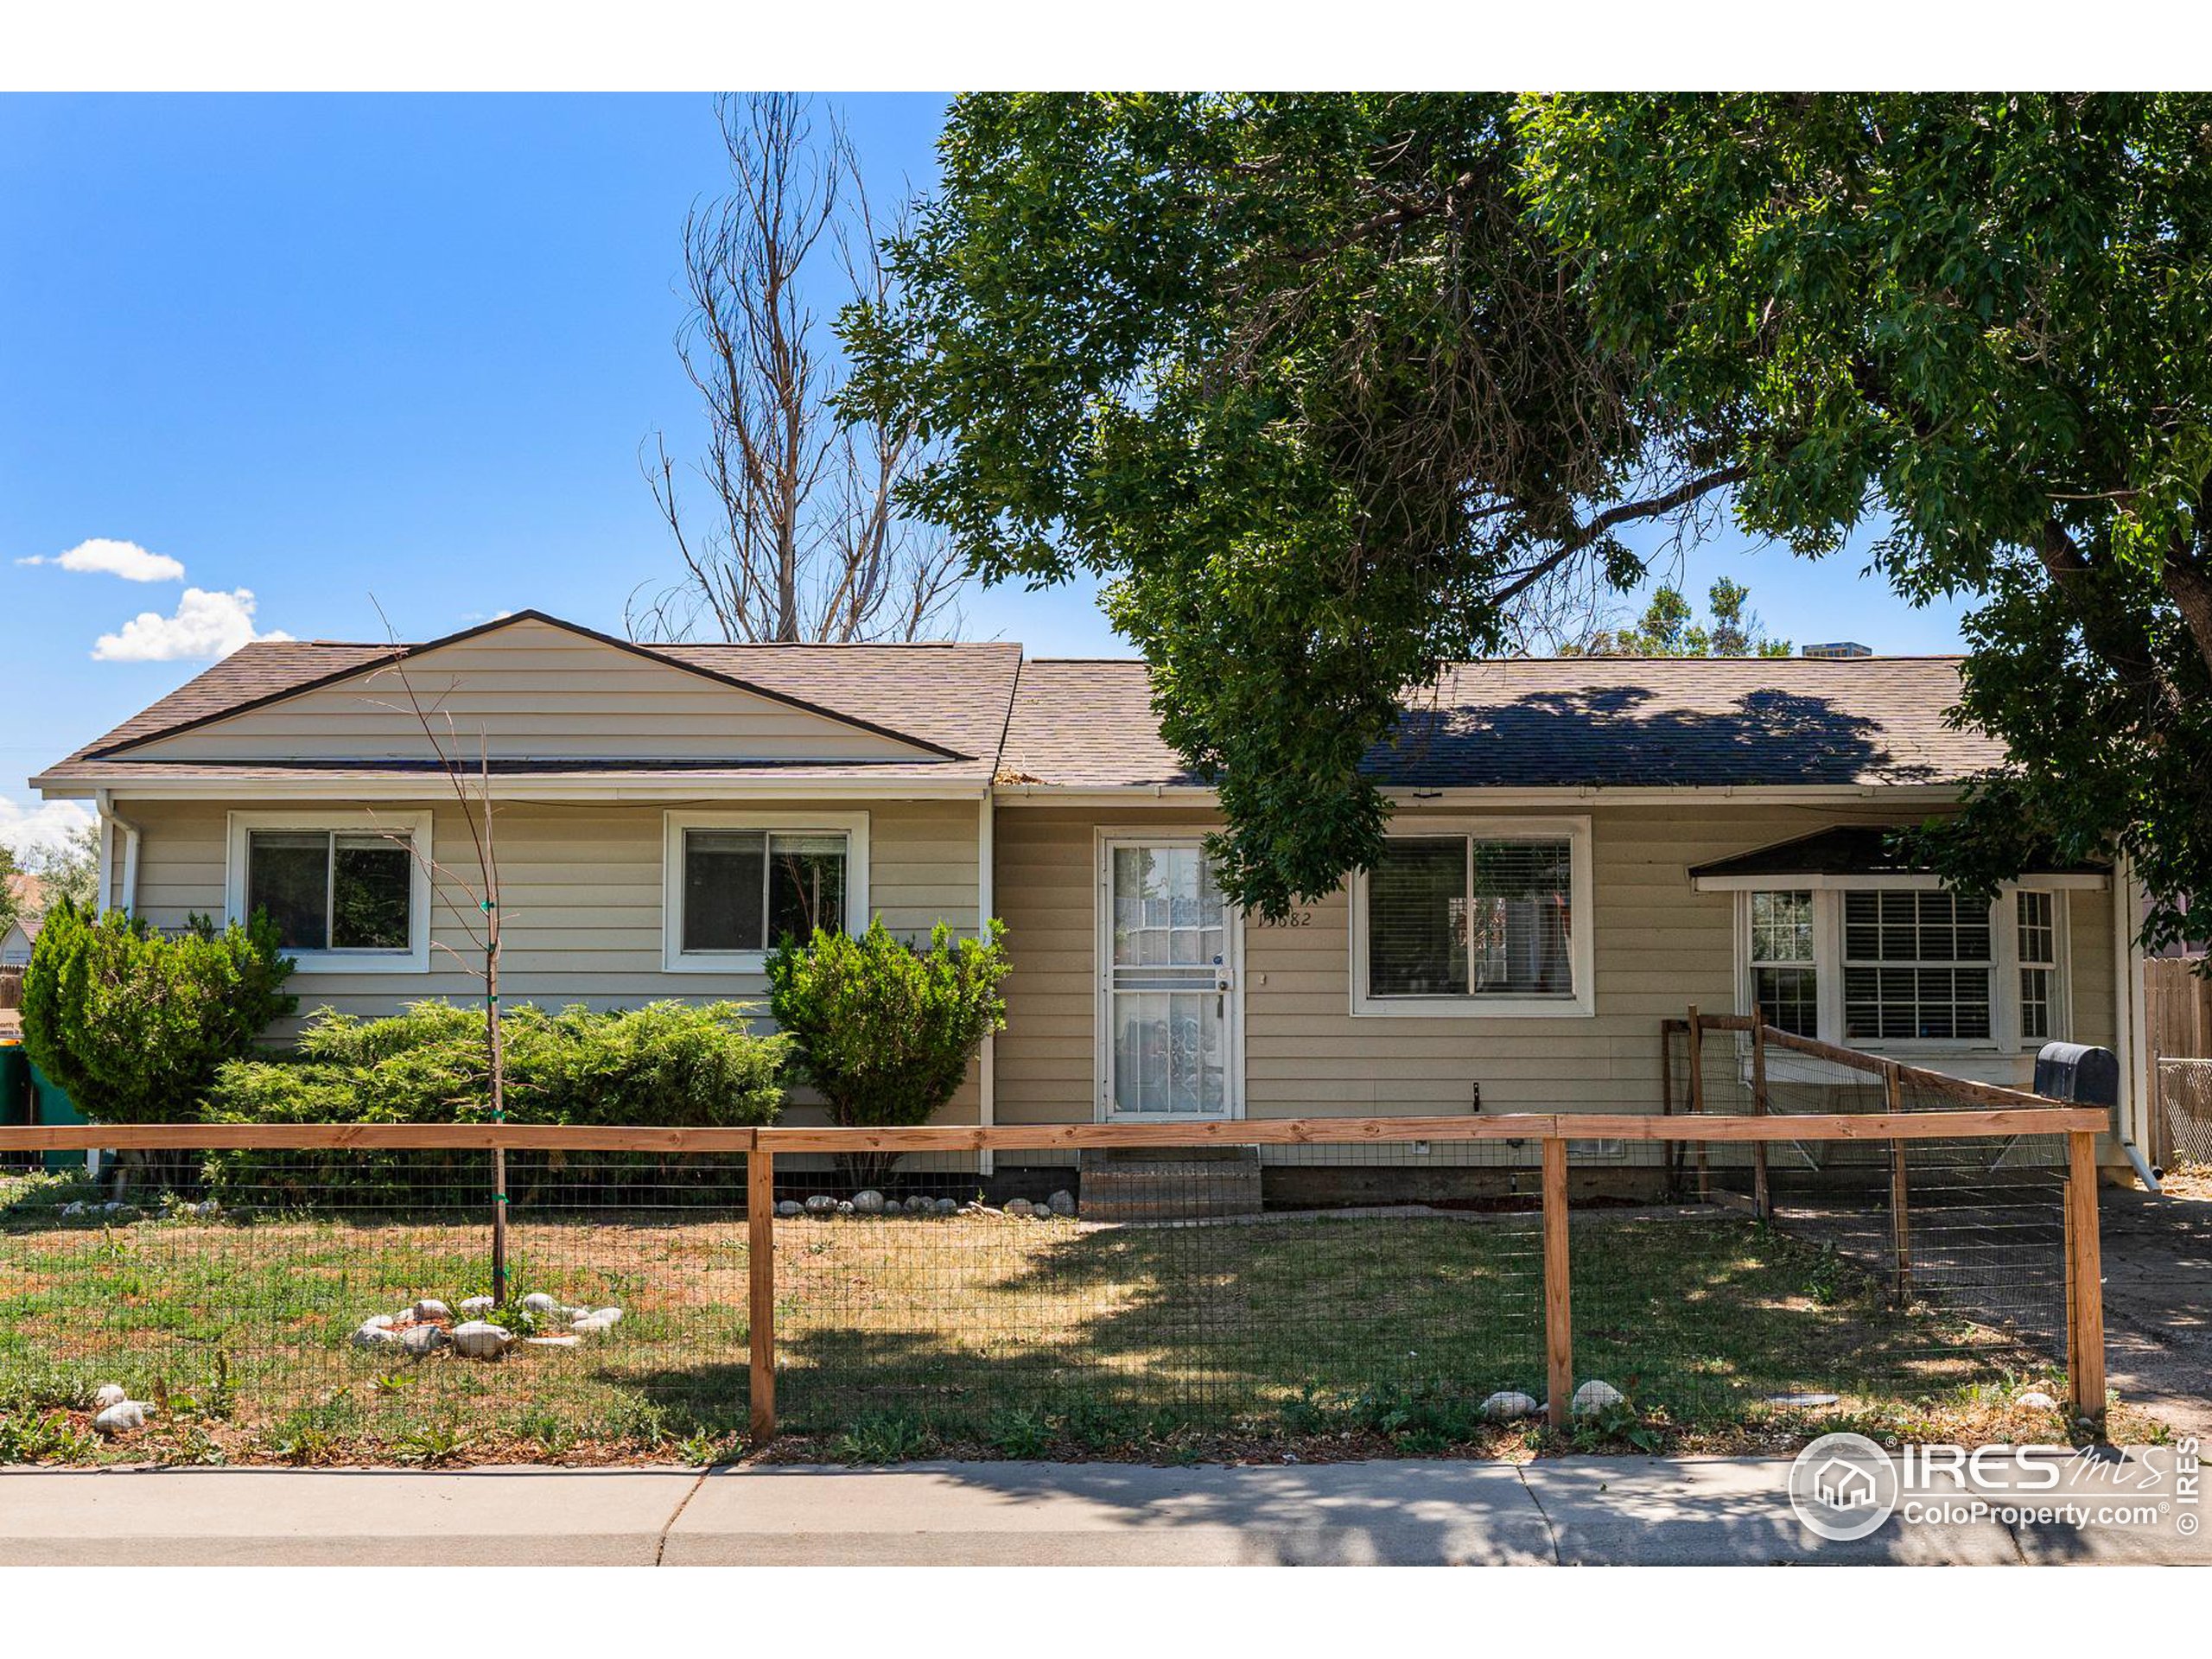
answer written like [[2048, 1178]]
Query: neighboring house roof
[[29, 891], [1561, 722]]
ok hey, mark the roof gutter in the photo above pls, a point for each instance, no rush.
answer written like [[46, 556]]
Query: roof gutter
[[515, 788]]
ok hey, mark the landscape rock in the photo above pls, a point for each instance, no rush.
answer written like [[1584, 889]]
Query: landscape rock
[[789, 1207], [109, 1393], [591, 1326], [2037, 1399], [75, 1209], [552, 1342], [536, 1302], [1593, 1397], [612, 1315], [1507, 1404], [422, 1340], [891, 1207], [480, 1341], [867, 1202], [844, 1206], [822, 1204], [475, 1305], [1019, 1207], [431, 1309], [1062, 1203], [380, 1319], [374, 1335], [947, 1207], [207, 1208], [123, 1415]]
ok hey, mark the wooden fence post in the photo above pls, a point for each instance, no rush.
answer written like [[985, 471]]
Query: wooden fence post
[[1760, 1202], [760, 1262], [2085, 1301], [1900, 1197], [1559, 1317], [1697, 1101]]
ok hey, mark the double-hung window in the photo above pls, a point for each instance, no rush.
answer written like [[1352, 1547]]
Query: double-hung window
[[347, 892], [736, 886], [1474, 920], [1785, 978], [2036, 917]]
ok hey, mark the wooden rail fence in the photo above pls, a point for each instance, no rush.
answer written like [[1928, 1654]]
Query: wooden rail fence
[[1550, 1131]]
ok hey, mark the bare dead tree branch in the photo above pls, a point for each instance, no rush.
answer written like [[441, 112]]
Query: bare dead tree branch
[[801, 538]]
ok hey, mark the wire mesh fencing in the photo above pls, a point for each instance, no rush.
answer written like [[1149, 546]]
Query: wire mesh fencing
[[1347, 1286], [305, 1304], [1165, 1299]]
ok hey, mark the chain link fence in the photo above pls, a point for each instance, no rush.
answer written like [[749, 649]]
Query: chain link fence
[[2185, 1105]]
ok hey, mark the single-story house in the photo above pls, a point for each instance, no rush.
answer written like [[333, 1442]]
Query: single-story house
[[1579, 848]]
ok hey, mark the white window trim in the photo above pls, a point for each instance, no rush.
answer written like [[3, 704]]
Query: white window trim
[[1581, 1003], [413, 827], [799, 821], [2005, 1037]]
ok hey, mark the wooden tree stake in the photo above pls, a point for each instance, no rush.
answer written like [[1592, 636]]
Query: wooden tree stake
[[1559, 1318]]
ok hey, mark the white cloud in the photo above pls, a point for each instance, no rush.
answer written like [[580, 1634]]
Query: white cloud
[[22, 828], [101, 556], [205, 626]]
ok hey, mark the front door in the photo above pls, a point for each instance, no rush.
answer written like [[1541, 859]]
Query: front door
[[1170, 1044]]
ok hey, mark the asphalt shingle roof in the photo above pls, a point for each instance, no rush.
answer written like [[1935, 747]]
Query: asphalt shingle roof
[[953, 697], [1558, 722], [1522, 724]]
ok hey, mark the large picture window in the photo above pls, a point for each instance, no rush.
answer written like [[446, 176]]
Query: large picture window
[[749, 889], [348, 893], [1916, 965], [736, 887], [1475, 921]]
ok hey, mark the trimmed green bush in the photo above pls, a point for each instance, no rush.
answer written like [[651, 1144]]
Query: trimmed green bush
[[132, 1024], [665, 1064], [883, 1030]]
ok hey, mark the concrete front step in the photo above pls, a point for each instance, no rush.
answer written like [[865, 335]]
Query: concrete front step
[[1199, 1183]]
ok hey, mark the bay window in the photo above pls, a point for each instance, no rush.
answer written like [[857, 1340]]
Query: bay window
[[1906, 966]]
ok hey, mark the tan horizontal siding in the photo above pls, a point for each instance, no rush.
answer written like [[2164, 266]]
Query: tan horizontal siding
[[534, 692], [581, 894], [1658, 946]]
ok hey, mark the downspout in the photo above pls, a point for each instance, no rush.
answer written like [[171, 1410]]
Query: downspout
[[986, 1080], [2131, 1034], [110, 822]]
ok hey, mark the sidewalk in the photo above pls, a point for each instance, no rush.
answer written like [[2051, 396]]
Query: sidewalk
[[1566, 1511]]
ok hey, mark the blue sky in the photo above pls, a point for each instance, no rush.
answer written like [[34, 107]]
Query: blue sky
[[318, 348]]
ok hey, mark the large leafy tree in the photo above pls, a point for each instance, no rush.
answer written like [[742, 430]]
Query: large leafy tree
[[1980, 321], [1301, 377]]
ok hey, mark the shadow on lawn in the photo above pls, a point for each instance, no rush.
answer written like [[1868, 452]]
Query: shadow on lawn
[[1300, 1323]]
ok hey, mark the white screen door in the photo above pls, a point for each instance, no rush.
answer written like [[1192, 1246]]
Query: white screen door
[[1167, 957]]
